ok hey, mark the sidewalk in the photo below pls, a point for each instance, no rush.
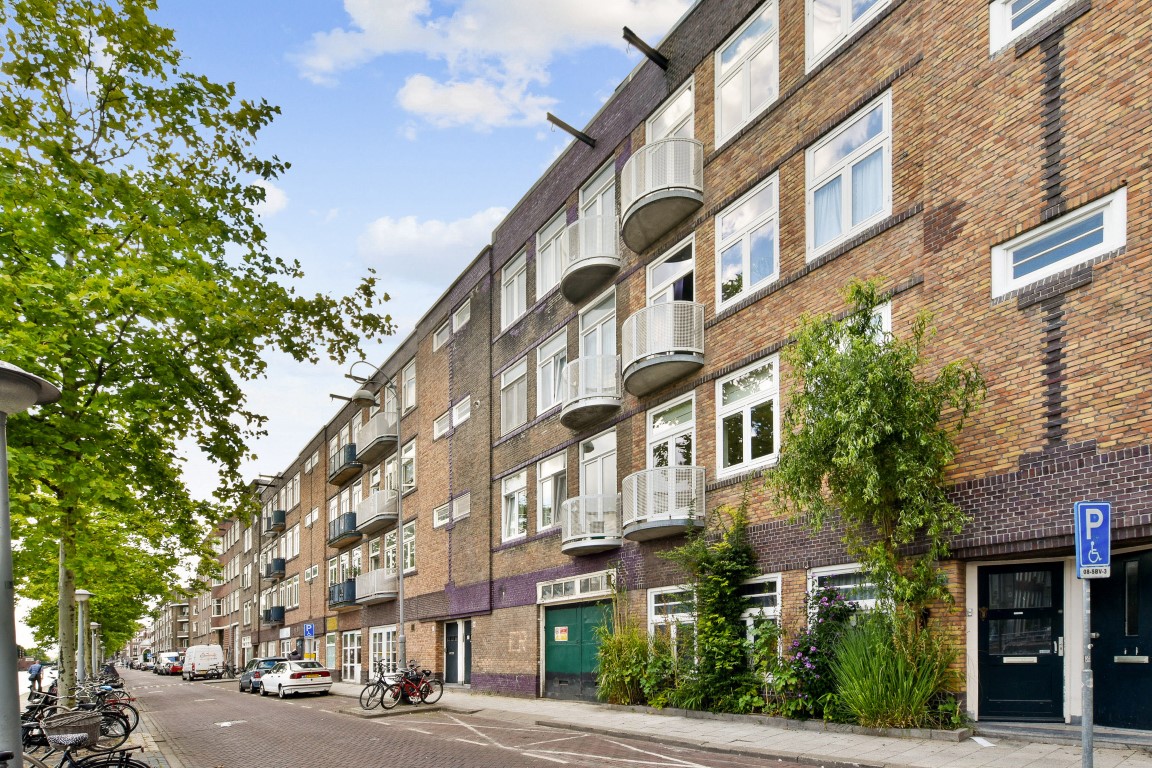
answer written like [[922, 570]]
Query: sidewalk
[[751, 735]]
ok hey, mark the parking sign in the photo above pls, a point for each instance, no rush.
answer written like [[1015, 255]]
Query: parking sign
[[1093, 539], [309, 630]]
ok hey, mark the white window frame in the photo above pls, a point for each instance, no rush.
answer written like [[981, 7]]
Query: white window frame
[[666, 106], [743, 235], [1000, 32], [441, 336], [546, 489], [549, 254], [751, 616], [442, 425], [461, 316], [848, 27], [408, 379], [514, 506], [688, 267], [671, 621], [551, 359], [442, 515], [513, 406], [1114, 208], [461, 411], [842, 169], [816, 575], [652, 436], [741, 68], [513, 290], [408, 456], [408, 538], [744, 407], [462, 506]]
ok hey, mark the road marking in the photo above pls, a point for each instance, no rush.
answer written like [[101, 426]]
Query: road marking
[[229, 723], [426, 733], [477, 743], [197, 701], [982, 741], [542, 757], [552, 741]]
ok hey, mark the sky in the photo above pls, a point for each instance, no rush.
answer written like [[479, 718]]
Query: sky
[[412, 127]]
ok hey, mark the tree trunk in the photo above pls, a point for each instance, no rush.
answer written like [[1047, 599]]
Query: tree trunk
[[66, 625]]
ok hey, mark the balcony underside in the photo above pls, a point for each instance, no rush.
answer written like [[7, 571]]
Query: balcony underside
[[591, 545], [344, 538], [661, 528], [587, 276], [656, 213], [375, 523], [345, 605], [383, 596], [655, 371], [345, 472], [588, 410], [376, 449]]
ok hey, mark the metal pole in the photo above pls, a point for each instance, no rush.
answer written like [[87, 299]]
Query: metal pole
[[81, 661], [401, 638], [9, 695], [1086, 687]]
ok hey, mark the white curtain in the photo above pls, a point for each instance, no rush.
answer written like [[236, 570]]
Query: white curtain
[[827, 214], [867, 186]]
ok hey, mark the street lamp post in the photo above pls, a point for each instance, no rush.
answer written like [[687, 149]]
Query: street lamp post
[[95, 625], [19, 391], [82, 596]]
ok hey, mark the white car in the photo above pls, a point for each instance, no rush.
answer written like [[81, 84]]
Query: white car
[[296, 677]]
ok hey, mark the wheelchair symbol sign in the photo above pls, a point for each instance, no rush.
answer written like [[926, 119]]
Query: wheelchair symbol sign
[[1093, 539], [309, 630]]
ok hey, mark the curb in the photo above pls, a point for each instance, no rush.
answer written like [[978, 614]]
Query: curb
[[160, 740]]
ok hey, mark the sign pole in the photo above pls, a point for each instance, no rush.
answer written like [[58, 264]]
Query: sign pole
[[1086, 681]]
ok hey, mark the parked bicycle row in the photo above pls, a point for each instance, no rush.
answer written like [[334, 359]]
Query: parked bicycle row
[[412, 685]]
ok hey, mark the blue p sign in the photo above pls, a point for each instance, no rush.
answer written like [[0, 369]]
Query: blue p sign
[[1093, 539]]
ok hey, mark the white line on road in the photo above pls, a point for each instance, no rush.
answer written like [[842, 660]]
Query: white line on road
[[197, 701], [542, 757], [477, 743], [553, 741], [426, 733]]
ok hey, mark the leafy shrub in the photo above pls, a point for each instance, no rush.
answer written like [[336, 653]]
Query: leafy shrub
[[623, 660], [892, 672]]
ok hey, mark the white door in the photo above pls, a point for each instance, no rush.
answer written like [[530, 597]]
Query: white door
[[598, 347], [350, 658], [598, 479]]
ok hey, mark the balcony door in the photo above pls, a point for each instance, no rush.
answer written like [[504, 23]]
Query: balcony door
[[675, 118], [350, 657], [598, 347], [672, 435], [672, 278], [598, 479], [598, 210]]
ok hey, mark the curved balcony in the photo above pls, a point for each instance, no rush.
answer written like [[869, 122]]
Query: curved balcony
[[377, 438], [376, 513], [376, 587], [660, 186], [590, 524], [342, 530], [660, 344], [342, 465], [660, 502], [591, 390], [591, 256], [274, 523], [274, 569], [274, 615], [342, 596]]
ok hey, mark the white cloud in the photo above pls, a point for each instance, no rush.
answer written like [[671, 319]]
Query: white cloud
[[426, 250], [497, 52], [275, 199]]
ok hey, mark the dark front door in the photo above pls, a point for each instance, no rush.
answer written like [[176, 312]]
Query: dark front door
[[1021, 641], [451, 652], [1122, 621], [570, 649]]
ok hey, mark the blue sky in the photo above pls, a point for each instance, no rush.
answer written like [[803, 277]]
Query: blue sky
[[412, 127]]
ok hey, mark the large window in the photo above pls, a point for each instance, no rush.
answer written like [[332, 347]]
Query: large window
[[672, 616], [548, 255], [513, 291], [747, 417], [408, 466], [675, 118], [514, 516], [763, 606], [1009, 20], [848, 580], [410, 547], [514, 397], [747, 72], [850, 177], [409, 385], [672, 434], [551, 490], [1072, 239], [747, 244], [831, 22], [551, 357]]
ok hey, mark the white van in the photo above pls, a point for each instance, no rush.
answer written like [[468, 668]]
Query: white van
[[203, 661]]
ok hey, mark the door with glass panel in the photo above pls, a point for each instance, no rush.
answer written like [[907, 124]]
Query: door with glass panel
[[598, 212], [350, 658], [1021, 641], [1122, 648], [598, 482], [671, 454], [598, 349]]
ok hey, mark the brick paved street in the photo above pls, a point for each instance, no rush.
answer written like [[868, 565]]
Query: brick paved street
[[213, 725]]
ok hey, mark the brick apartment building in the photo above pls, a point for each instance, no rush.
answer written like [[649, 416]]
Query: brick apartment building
[[607, 368]]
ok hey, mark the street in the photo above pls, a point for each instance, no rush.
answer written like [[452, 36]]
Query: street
[[213, 725]]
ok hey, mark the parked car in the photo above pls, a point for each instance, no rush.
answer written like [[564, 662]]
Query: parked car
[[164, 662], [254, 669], [296, 677], [176, 667], [203, 661]]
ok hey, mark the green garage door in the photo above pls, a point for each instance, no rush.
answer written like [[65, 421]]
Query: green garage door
[[570, 648]]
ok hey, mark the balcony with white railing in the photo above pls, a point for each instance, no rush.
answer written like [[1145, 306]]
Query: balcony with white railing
[[590, 524], [376, 513], [377, 438], [591, 390], [662, 343], [376, 586], [661, 502], [660, 186], [591, 256]]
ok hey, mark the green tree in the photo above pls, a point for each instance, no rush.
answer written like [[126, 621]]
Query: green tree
[[134, 273], [867, 436]]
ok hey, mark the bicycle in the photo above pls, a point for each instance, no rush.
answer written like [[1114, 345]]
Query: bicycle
[[373, 692], [413, 685], [118, 758]]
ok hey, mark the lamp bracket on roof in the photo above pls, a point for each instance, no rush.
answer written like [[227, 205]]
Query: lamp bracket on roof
[[654, 55], [569, 129]]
